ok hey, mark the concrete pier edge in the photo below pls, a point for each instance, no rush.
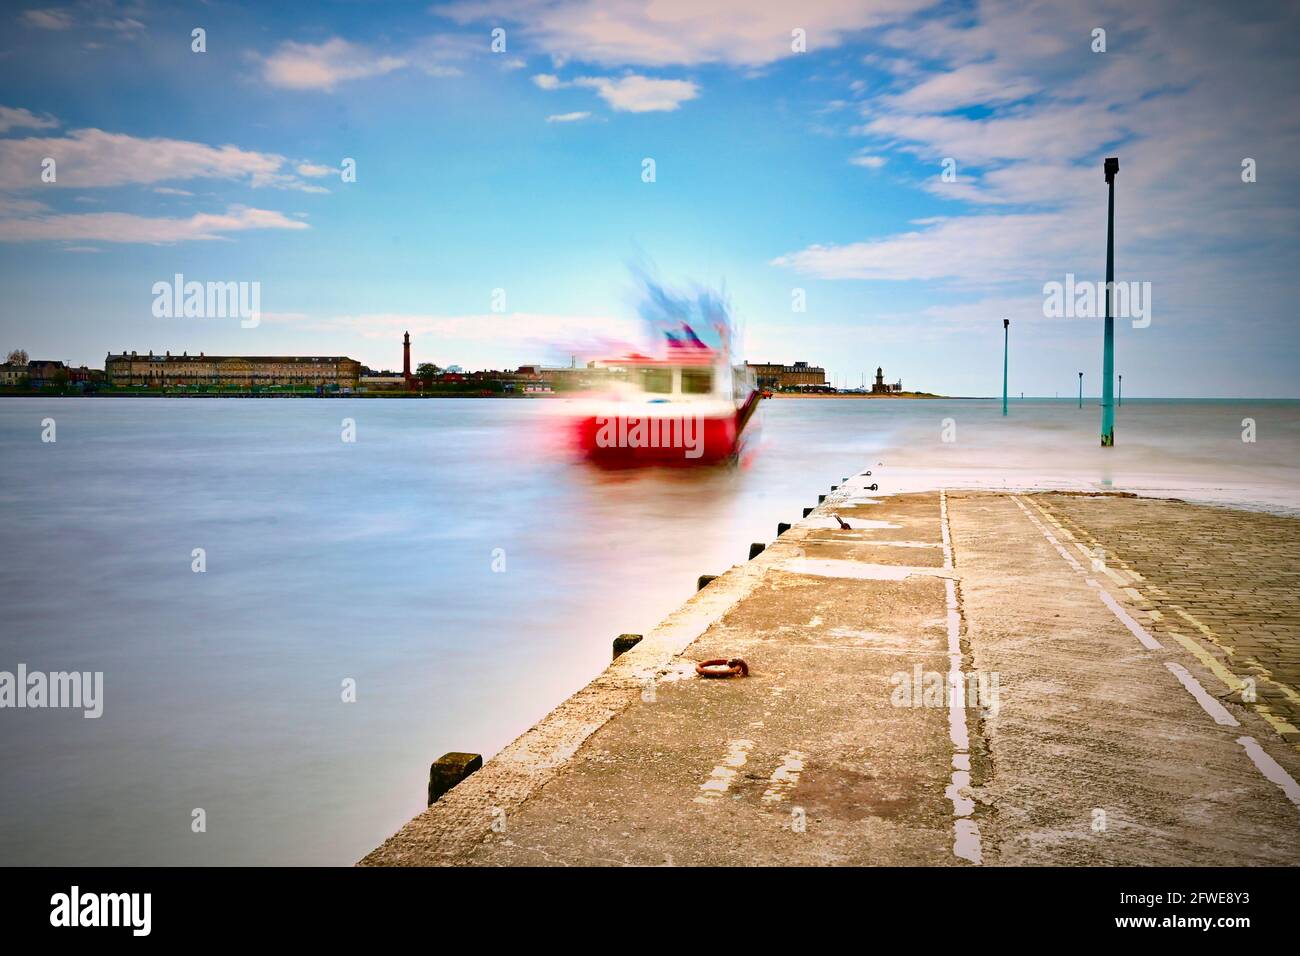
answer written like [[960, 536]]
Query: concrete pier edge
[[457, 821], [1247, 749]]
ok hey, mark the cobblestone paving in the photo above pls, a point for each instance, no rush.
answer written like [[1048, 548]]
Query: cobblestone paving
[[1222, 581]]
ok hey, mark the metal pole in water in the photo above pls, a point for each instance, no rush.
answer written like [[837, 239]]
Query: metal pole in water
[[1006, 323], [1081, 390], [1121, 391], [1110, 167]]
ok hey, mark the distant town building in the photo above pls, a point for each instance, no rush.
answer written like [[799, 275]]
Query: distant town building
[[128, 369], [12, 373], [562, 377], [774, 376], [879, 386], [383, 381], [38, 372]]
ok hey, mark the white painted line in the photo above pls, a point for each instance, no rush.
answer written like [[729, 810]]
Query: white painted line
[[1048, 535], [1208, 703], [784, 778], [957, 731], [721, 776], [1140, 632], [963, 805], [1271, 769], [966, 833], [1266, 765], [967, 844], [943, 529]]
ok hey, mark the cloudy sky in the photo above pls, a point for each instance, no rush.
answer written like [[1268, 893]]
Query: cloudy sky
[[796, 146]]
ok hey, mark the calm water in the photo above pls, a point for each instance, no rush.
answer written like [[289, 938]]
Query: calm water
[[373, 561]]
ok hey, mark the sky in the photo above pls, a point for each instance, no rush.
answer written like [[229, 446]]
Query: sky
[[868, 183]]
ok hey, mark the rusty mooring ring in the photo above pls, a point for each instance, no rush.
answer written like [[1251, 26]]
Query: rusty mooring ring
[[721, 667]]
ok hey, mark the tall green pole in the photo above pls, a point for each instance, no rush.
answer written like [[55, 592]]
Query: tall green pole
[[1110, 167], [1081, 390], [1005, 335]]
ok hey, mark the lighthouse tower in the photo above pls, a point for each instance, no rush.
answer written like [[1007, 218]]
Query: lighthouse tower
[[406, 356]]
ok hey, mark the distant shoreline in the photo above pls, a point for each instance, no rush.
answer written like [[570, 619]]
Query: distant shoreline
[[893, 395], [1089, 401]]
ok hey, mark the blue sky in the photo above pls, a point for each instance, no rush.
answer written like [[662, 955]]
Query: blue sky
[[776, 169]]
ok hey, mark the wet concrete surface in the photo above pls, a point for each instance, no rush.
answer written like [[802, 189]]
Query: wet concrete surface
[[1098, 754], [840, 748]]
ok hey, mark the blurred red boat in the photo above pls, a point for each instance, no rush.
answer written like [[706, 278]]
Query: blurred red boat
[[688, 407]]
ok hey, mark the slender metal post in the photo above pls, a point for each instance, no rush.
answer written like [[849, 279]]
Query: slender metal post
[[1006, 323], [1081, 390], [1121, 391], [1110, 167]]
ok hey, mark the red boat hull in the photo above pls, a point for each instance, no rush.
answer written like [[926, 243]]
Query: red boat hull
[[712, 440]]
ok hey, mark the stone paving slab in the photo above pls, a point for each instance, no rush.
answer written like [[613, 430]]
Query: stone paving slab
[[1229, 579], [1098, 754]]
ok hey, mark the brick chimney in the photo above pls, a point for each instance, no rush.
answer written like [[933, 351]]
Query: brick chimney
[[406, 356]]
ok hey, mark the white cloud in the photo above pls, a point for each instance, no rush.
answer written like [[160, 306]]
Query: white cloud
[[568, 117], [976, 84], [680, 32], [13, 206], [123, 25], [1053, 133], [90, 15], [1029, 203], [547, 81], [93, 157], [50, 19], [867, 160], [640, 94], [126, 227], [11, 118], [438, 54], [322, 66], [314, 170], [968, 249]]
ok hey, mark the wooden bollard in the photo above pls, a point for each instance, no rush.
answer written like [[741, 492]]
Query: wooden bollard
[[704, 581], [756, 549], [782, 528], [807, 512], [449, 770], [624, 643]]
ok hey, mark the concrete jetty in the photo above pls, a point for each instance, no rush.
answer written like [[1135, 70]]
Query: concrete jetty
[[956, 679]]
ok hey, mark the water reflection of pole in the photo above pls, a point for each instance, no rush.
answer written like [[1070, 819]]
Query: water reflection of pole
[[1081, 390], [1110, 167], [1005, 336]]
